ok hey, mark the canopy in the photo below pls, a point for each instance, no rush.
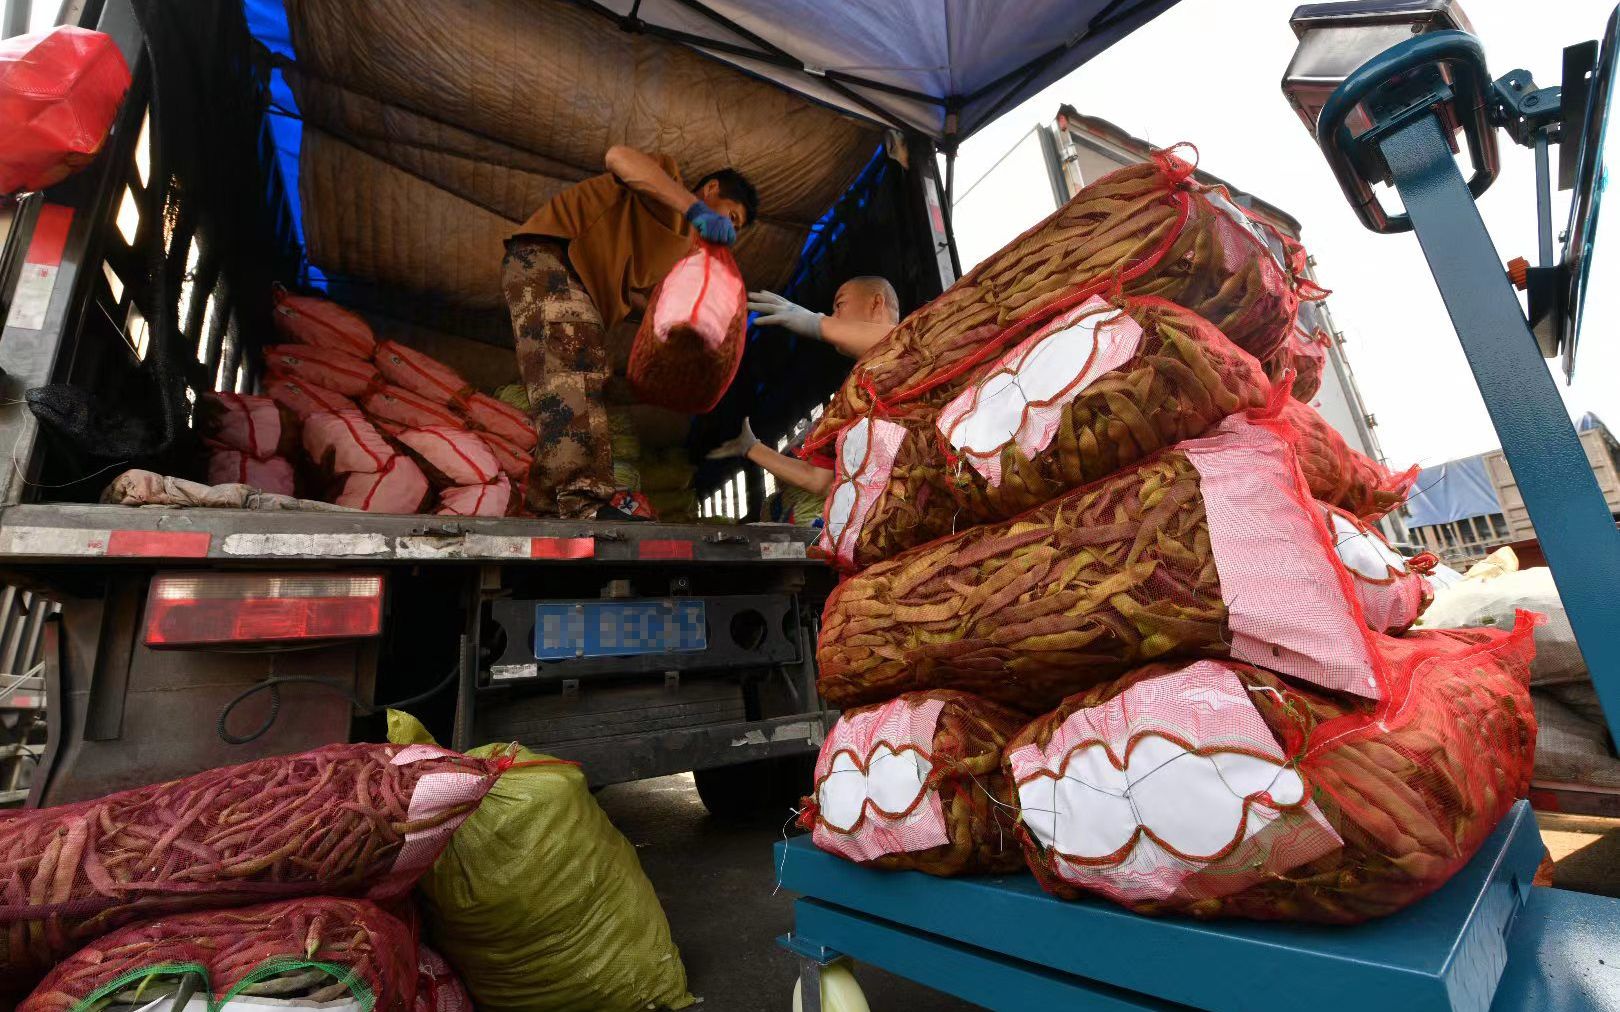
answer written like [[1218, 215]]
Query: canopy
[[1455, 490], [944, 67]]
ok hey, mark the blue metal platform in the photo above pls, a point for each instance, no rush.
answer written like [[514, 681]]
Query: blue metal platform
[[1005, 944]]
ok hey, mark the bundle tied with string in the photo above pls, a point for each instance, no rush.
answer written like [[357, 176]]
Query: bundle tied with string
[[1213, 548], [916, 783], [1144, 230], [1223, 789]]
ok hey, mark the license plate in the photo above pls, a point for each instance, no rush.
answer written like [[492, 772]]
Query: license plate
[[568, 629]]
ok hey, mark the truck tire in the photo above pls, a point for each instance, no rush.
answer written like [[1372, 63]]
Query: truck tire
[[765, 787]]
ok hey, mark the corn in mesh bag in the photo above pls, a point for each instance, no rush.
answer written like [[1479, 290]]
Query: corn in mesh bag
[[1213, 548], [1145, 230], [917, 783], [1223, 789]]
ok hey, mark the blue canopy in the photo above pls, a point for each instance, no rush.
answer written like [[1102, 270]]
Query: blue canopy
[[1455, 490]]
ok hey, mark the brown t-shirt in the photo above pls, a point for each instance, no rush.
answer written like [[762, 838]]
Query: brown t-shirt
[[619, 242]]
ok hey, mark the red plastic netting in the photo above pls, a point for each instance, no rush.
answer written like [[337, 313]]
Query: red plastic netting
[[438, 988], [1339, 475], [691, 339]]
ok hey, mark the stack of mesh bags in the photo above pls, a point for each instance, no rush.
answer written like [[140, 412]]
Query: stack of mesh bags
[[1103, 518], [249, 440]]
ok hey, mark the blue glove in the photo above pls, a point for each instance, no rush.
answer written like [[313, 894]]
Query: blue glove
[[711, 224]]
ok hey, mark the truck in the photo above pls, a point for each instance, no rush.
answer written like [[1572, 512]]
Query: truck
[[317, 145]]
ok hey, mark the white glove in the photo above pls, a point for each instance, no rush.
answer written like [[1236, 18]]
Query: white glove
[[737, 446], [776, 311]]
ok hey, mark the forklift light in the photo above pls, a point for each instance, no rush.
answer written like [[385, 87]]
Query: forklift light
[[1337, 38]]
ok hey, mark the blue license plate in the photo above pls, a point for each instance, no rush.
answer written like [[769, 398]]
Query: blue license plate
[[568, 629]]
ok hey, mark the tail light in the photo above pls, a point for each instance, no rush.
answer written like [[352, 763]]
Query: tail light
[[241, 609]]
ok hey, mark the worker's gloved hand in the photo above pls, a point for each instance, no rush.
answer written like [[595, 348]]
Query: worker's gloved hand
[[737, 446], [711, 224], [776, 311]]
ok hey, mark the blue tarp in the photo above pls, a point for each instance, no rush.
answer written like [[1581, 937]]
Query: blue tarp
[[267, 20], [1455, 490]]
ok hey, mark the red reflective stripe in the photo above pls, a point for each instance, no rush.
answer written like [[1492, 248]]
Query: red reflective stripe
[[151, 544], [562, 548], [50, 235], [664, 550]]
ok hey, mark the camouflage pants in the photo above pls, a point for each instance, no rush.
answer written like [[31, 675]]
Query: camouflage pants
[[562, 357]]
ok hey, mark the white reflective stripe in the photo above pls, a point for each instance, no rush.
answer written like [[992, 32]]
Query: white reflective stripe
[[53, 541], [494, 546], [508, 672], [319, 545], [781, 550]]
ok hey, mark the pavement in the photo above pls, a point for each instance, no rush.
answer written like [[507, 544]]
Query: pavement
[[718, 888]]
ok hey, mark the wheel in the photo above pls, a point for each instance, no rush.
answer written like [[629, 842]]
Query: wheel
[[762, 787], [839, 990]]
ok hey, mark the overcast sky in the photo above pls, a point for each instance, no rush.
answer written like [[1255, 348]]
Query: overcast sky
[[1204, 73]]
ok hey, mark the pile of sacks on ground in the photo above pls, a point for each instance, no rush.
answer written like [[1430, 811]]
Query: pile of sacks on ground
[[320, 880], [373, 425], [1115, 607]]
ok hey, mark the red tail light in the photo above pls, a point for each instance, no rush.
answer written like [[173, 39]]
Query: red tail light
[[198, 609]]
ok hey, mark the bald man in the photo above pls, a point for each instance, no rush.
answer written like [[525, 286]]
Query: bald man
[[864, 310]]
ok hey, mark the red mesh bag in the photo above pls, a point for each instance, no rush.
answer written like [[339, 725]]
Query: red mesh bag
[[307, 319], [322, 367], [399, 486], [400, 406], [1273, 799], [450, 456], [344, 442], [318, 952], [888, 492], [419, 373], [275, 474], [1211, 549], [491, 500], [1339, 475], [487, 415], [691, 340], [438, 989], [254, 425], [357, 820], [1145, 230], [59, 92], [304, 399], [1393, 590], [1305, 352], [917, 783]]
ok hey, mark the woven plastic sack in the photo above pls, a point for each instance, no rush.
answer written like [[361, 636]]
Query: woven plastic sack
[[512, 460], [1339, 475], [308, 319], [420, 373], [323, 367], [690, 342], [304, 399], [888, 493], [399, 486], [917, 783], [1270, 798], [1145, 230], [626, 440], [438, 989], [1474, 603], [1211, 549], [344, 442], [450, 456], [252, 424], [317, 953], [669, 471], [356, 820], [485, 414], [541, 904], [1392, 589], [400, 406], [626, 477], [59, 93], [491, 500], [231, 467]]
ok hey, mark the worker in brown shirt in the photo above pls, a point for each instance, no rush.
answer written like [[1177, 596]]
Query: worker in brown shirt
[[580, 264]]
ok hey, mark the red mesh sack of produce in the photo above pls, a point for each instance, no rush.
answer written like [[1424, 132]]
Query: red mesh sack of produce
[[1393, 590], [59, 92], [304, 399], [357, 820], [322, 367], [888, 492], [1211, 549], [1305, 352], [1145, 230], [400, 406], [487, 415], [344, 442], [1339, 475], [246, 422], [334, 955], [308, 319], [450, 456], [1224, 789], [690, 342], [438, 989], [491, 500], [422, 374], [917, 783], [228, 467], [399, 486]]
